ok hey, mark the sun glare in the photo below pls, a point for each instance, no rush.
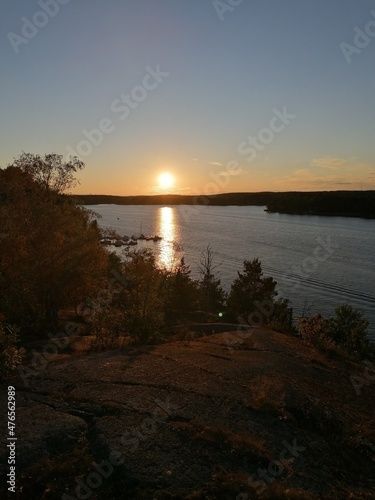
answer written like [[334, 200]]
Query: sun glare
[[165, 180]]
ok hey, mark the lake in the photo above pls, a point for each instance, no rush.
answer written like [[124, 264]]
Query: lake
[[318, 262]]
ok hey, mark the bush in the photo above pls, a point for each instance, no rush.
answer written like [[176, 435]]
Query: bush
[[108, 326], [10, 357], [349, 331], [314, 330]]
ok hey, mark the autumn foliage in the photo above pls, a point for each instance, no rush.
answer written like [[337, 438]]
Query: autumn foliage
[[50, 255]]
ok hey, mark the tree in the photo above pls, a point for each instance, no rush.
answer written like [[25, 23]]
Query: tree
[[211, 294], [50, 171], [182, 290], [142, 300], [251, 292], [281, 318], [349, 331], [50, 255]]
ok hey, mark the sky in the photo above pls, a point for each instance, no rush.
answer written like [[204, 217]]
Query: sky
[[224, 96]]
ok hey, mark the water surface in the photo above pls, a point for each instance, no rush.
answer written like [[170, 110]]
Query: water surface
[[318, 262]]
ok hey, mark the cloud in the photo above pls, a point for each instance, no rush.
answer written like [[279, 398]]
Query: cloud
[[329, 162], [230, 172], [336, 163], [216, 163], [331, 173]]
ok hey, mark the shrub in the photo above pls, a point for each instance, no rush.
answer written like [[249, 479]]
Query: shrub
[[108, 326], [349, 331], [313, 329]]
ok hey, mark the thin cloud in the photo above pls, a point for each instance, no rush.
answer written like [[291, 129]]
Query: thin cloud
[[354, 176], [336, 163], [330, 163]]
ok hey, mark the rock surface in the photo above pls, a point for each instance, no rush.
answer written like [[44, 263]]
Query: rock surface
[[266, 416]]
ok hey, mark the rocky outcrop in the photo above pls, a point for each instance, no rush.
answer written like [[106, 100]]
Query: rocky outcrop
[[226, 414]]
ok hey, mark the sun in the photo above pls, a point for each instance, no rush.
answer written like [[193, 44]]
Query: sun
[[166, 180]]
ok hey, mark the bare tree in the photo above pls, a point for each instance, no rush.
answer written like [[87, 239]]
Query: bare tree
[[50, 171]]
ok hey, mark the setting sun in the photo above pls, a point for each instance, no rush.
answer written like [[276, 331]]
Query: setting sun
[[165, 180]]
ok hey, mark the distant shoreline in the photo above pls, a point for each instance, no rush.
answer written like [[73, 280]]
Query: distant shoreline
[[323, 203]]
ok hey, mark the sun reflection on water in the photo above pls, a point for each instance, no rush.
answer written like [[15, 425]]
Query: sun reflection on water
[[167, 228]]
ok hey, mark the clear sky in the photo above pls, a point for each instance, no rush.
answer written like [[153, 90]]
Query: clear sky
[[223, 95]]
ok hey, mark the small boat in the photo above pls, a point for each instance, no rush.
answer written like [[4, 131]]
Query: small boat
[[142, 237]]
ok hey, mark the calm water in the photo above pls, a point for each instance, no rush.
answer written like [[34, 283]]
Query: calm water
[[319, 261]]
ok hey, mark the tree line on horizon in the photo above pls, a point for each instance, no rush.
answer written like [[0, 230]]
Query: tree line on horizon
[[324, 203]]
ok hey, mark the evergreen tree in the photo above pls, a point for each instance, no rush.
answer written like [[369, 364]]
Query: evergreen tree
[[211, 295], [252, 294], [182, 290]]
